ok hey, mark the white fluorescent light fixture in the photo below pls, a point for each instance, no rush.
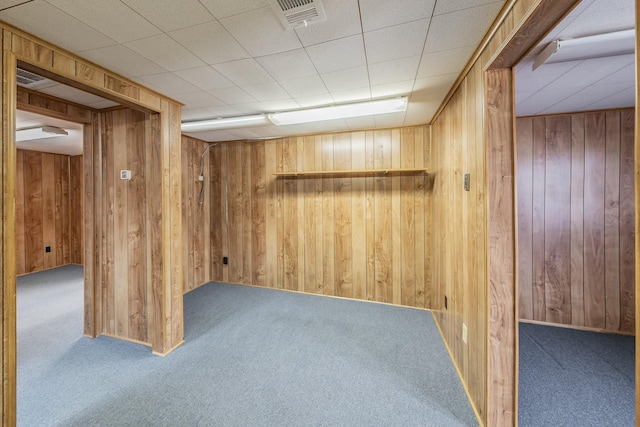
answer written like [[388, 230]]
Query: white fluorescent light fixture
[[224, 123], [590, 47], [39, 132], [369, 108]]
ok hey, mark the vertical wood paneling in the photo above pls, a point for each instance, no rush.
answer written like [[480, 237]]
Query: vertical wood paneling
[[358, 218], [557, 240], [539, 173], [20, 228], [258, 209], [33, 219], [343, 216], [217, 213], [48, 210], [130, 252], [328, 223], [577, 220], [588, 221], [333, 234], [407, 218], [594, 191], [627, 219], [524, 147], [382, 223], [136, 228], [612, 221]]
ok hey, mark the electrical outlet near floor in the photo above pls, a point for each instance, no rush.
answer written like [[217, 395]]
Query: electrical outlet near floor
[[464, 333]]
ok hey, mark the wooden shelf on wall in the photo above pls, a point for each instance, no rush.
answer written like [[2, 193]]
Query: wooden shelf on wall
[[361, 172]]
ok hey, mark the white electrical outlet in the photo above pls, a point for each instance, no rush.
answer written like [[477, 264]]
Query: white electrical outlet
[[125, 175], [464, 333]]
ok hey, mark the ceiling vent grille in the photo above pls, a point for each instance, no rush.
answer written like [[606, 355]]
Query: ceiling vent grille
[[298, 13], [25, 78]]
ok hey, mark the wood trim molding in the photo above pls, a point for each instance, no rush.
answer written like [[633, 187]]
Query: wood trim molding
[[502, 339], [637, 215], [8, 250]]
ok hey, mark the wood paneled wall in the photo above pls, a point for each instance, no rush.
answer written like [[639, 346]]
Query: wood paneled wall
[[124, 294], [76, 225], [576, 219], [163, 202], [196, 216], [460, 238], [364, 236], [48, 211], [480, 287]]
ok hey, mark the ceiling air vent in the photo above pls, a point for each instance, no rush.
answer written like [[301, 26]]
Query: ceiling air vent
[[298, 13], [25, 78]]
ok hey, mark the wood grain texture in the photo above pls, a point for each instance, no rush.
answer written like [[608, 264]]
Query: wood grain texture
[[557, 242], [50, 61], [627, 229], [324, 234], [8, 391], [44, 217], [587, 197], [502, 364]]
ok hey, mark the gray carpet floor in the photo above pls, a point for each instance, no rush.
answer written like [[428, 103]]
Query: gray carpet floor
[[252, 357], [575, 378]]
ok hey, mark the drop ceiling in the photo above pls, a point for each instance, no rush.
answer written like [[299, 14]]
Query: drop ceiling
[[230, 58], [225, 58]]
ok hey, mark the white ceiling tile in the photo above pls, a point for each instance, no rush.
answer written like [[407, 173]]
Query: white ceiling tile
[[394, 71], [598, 17], [244, 72], [305, 86], [260, 32], [280, 105], [624, 98], [449, 6], [351, 95], [222, 9], [392, 89], [5, 4], [232, 95], [346, 79], [378, 14], [198, 99], [338, 125], [590, 71], [223, 111], [266, 91], [314, 100], [169, 15], [211, 42], [205, 78], [444, 62], [462, 28], [390, 120], [361, 123], [426, 98], [117, 21], [166, 52], [400, 41], [72, 34], [288, 65], [338, 54], [343, 20], [167, 84], [195, 114], [102, 104], [72, 94], [249, 108], [122, 60]]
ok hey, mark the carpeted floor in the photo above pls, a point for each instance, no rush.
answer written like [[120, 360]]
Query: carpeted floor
[[575, 378], [252, 357]]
